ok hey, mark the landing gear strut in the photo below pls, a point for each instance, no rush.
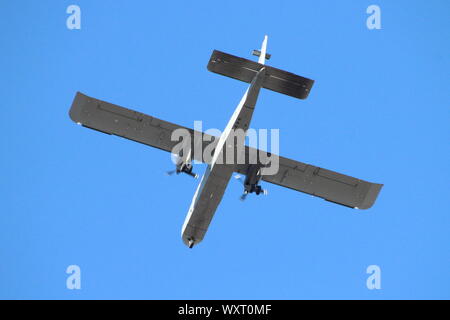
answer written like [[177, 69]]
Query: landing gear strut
[[253, 188], [253, 176], [186, 168], [183, 167]]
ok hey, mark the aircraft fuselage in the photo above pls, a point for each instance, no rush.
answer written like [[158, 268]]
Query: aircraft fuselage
[[215, 180]]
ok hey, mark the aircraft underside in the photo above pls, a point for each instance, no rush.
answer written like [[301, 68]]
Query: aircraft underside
[[331, 186]]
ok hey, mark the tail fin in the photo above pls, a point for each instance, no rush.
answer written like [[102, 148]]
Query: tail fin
[[245, 70]]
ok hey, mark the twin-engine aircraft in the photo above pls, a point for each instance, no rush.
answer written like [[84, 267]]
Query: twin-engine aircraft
[[331, 186]]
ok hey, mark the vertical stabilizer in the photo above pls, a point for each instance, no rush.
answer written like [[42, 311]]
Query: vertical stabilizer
[[262, 56]]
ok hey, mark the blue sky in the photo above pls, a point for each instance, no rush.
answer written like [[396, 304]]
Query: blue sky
[[378, 111]]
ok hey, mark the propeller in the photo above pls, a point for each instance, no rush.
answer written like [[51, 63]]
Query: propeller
[[241, 179], [191, 174], [170, 172], [176, 160]]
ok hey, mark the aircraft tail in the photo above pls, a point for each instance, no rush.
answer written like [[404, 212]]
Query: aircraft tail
[[262, 54], [245, 70]]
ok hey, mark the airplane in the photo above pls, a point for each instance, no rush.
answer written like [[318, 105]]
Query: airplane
[[331, 186]]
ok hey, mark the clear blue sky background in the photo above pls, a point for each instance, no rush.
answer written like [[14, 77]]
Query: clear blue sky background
[[379, 111]]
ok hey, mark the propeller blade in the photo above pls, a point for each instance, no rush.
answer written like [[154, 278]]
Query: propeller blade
[[175, 158], [244, 196], [171, 172]]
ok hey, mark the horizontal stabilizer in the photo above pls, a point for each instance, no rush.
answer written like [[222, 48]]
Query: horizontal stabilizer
[[245, 70], [258, 54]]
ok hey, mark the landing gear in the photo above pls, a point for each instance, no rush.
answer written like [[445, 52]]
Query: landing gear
[[252, 188], [183, 167], [186, 168], [191, 243], [251, 182]]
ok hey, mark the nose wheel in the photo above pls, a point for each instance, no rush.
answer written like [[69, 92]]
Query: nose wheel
[[191, 243]]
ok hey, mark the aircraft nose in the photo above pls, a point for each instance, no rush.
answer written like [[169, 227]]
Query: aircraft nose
[[189, 241]]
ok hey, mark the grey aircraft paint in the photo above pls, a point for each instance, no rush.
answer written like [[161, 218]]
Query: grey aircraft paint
[[331, 186]]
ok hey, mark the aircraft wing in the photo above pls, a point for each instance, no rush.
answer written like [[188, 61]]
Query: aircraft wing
[[112, 119], [331, 186], [115, 120]]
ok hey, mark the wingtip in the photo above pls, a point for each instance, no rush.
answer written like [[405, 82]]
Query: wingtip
[[74, 113], [371, 196], [77, 106]]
